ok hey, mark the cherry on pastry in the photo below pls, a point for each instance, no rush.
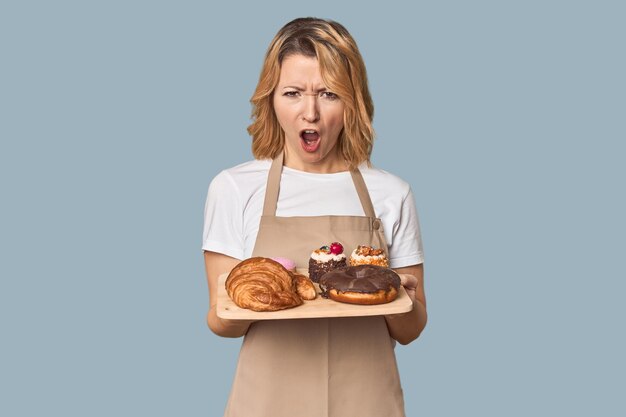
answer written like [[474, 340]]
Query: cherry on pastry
[[336, 248]]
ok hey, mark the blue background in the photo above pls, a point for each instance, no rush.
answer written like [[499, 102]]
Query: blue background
[[507, 118]]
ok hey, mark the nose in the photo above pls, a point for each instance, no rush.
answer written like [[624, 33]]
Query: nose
[[310, 112]]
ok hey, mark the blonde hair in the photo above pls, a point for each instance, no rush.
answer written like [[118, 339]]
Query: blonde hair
[[342, 70]]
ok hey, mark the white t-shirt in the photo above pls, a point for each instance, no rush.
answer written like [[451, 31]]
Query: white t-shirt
[[235, 202]]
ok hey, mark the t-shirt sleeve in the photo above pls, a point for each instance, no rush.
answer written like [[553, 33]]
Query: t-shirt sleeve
[[223, 218], [406, 249]]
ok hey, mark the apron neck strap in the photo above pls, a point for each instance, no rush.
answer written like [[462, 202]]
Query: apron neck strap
[[273, 185], [273, 188], [364, 195]]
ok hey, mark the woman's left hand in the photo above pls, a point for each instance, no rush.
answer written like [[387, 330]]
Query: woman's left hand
[[412, 279], [410, 283], [406, 327]]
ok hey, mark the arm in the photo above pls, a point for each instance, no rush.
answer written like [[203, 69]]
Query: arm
[[215, 265], [407, 327]]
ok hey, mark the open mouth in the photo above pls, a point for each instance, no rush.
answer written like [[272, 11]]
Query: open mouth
[[310, 140]]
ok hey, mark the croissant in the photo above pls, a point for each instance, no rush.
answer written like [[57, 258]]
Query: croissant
[[304, 286], [261, 284]]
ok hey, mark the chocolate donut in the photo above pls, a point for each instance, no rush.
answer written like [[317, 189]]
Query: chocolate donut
[[361, 284]]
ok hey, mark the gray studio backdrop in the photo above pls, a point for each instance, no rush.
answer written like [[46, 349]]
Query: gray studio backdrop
[[507, 119]]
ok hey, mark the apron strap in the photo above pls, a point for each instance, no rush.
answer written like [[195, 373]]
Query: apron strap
[[273, 187], [364, 195]]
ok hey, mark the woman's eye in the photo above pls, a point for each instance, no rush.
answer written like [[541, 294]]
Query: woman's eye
[[329, 95], [290, 94]]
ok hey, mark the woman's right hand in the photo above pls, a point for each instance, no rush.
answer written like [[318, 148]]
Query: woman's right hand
[[225, 327], [217, 264]]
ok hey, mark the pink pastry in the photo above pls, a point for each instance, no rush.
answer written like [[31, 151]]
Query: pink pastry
[[287, 263]]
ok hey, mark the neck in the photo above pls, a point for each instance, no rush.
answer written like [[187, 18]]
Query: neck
[[330, 165]]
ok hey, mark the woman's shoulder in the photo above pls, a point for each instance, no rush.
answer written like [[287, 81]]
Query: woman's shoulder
[[253, 167], [380, 179], [240, 182], [244, 173]]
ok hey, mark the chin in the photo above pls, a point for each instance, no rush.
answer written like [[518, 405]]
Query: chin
[[314, 159], [308, 156]]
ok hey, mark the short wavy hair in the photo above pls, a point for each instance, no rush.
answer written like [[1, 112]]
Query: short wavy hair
[[342, 70]]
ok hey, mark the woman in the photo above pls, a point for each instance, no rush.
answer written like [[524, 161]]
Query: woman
[[312, 138]]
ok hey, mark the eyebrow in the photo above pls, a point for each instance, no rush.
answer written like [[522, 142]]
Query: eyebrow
[[319, 90]]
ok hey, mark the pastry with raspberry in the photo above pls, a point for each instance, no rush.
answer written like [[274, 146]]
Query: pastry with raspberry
[[326, 259]]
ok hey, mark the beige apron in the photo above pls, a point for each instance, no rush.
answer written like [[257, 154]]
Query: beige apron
[[339, 367]]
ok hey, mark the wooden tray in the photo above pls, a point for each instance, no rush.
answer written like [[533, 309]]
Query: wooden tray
[[320, 307]]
